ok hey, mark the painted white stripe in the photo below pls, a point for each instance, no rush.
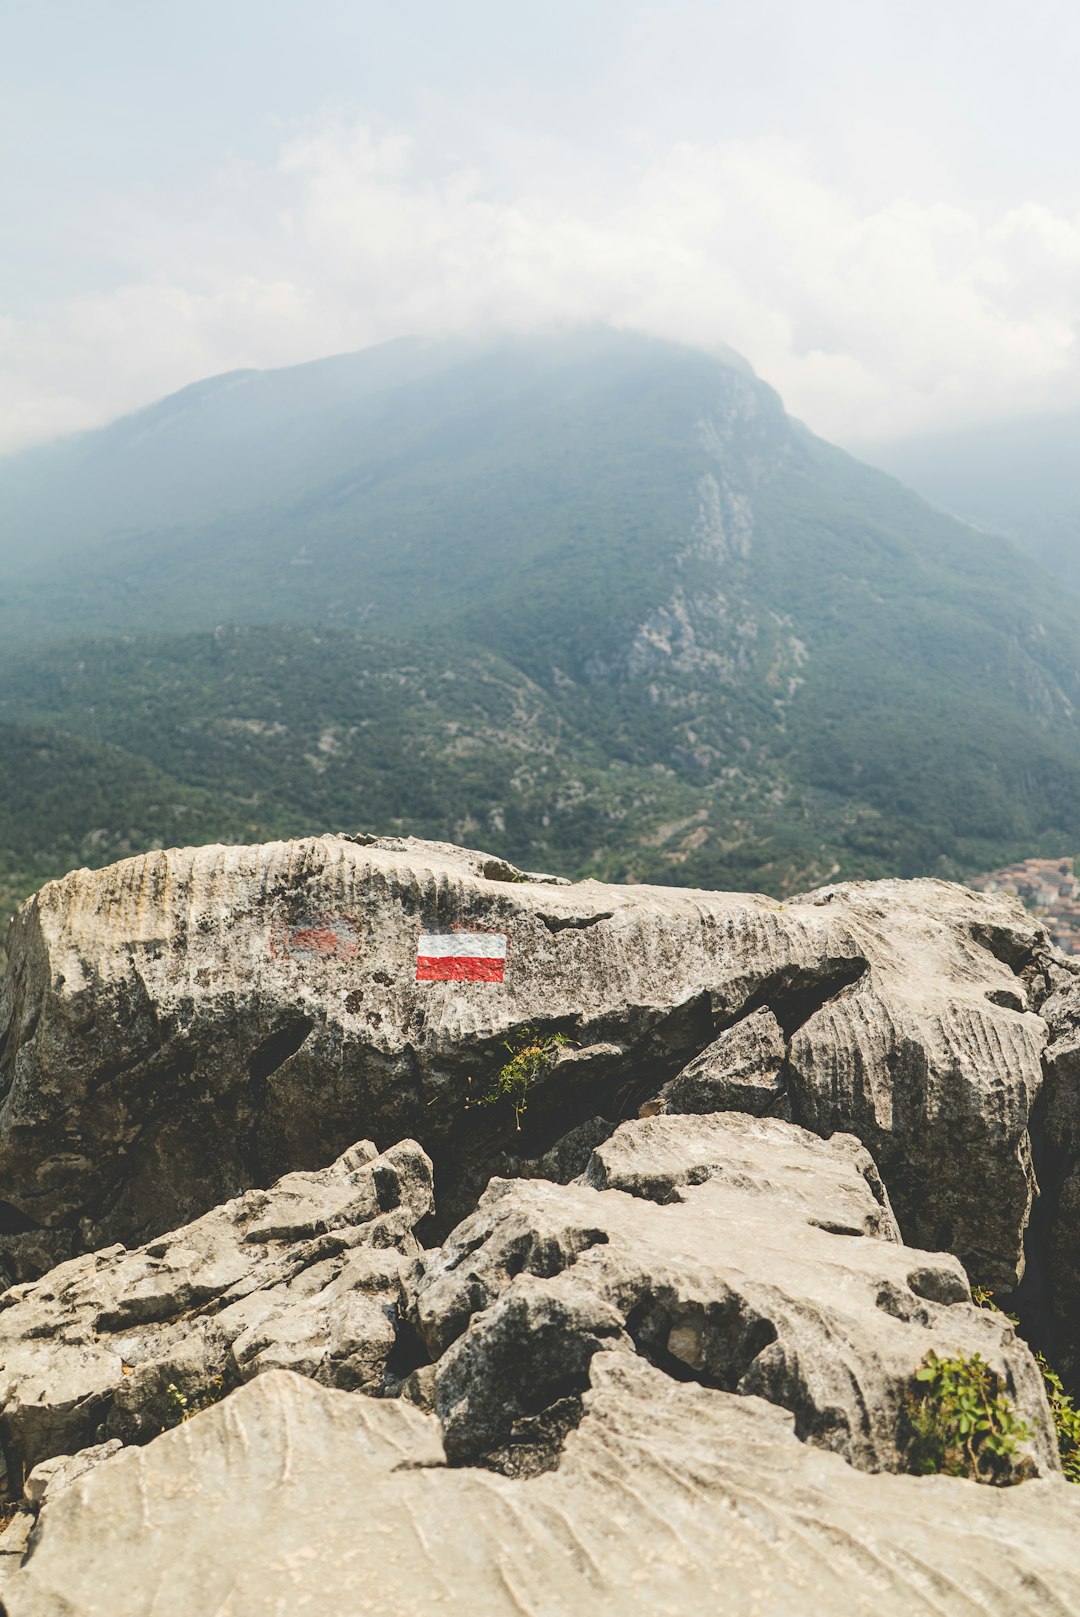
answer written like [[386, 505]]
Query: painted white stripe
[[478, 945]]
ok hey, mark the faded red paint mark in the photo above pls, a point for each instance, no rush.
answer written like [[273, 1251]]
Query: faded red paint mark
[[327, 937], [314, 940]]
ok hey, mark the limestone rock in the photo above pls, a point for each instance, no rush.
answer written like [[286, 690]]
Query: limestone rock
[[49, 1478], [670, 1497], [741, 1071], [743, 1253], [569, 1156], [15, 1530], [833, 1183], [190, 1023], [1052, 1291], [306, 1275]]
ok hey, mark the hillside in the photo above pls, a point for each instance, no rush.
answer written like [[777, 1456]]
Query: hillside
[[594, 600], [68, 801], [284, 728], [1016, 477]]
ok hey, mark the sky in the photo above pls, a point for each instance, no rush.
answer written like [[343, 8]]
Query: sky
[[877, 202]]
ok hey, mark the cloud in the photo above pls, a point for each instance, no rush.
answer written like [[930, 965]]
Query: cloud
[[872, 318]]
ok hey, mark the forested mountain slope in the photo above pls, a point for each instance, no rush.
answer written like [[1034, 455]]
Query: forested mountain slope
[[591, 599]]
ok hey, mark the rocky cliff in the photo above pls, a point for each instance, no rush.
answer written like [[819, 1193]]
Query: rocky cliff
[[661, 1200]]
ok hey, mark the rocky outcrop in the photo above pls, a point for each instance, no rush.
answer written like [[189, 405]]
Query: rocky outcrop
[[307, 1275], [742, 1253], [1051, 1294], [50, 1477], [665, 1361], [188, 1024], [670, 1497], [744, 1070]]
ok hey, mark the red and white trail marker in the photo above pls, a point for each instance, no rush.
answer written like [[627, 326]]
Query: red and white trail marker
[[461, 957]]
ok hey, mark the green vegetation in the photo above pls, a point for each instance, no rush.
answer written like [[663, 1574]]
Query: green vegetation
[[961, 1422], [181, 1406], [1066, 1420], [532, 1053], [1063, 1409], [593, 603]]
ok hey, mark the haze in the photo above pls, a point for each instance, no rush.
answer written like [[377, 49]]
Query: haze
[[875, 203]]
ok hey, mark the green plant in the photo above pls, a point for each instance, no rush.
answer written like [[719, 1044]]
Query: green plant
[[960, 1420], [181, 1406], [531, 1054], [1066, 1416], [982, 1298]]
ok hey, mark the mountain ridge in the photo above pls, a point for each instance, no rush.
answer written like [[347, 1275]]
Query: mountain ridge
[[1015, 477], [727, 625]]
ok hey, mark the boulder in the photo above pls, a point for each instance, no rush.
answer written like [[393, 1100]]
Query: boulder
[[306, 1275], [739, 1252], [15, 1529], [49, 1478], [671, 1497], [185, 1025], [1050, 1296], [569, 1156], [744, 1070]]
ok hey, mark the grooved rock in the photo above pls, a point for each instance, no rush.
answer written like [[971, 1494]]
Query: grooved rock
[[306, 1275], [741, 1252], [192, 1022], [741, 1071], [1054, 1286], [670, 1497]]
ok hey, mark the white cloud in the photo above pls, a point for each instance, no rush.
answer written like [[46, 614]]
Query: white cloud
[[871, 318]]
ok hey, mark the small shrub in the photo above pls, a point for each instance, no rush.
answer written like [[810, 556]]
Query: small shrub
[[181, 1406], [531, 1054], [961, 1422], [985, 1299], [1065, 1414], [1066, 1420]]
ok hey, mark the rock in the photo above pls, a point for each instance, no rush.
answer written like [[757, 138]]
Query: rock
[[743, 1253], [190, 1023], [49, 1478], [569, 1156], [17, 1525], [670, 1497], [833, 1182], [15, 1530], [1051, 1294], [741, 1071], [306, 1275]]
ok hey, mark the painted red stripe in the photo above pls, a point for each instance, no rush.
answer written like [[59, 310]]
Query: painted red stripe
[[458, 968]]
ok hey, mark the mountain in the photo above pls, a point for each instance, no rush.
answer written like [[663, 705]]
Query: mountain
[[593, 599], [1019, 477]]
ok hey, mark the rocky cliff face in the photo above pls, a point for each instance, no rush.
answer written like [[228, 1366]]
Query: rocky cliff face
[[184, 1025], [672, 1352]]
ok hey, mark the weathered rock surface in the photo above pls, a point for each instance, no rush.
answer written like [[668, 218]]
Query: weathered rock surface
[[669, 1368], [190, 1023], [15, 1530], [306, 1275], [740, 1252], [671, 1497], [1052, 1292], [741, 1071], [49, 1478]]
